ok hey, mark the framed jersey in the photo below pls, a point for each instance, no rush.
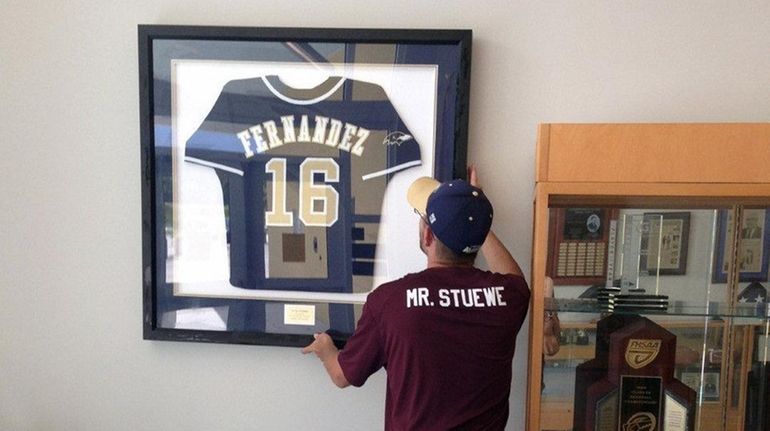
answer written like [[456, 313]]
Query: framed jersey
[[275, 163]]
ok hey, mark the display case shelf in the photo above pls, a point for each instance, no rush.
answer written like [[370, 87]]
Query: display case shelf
[[717, 310]]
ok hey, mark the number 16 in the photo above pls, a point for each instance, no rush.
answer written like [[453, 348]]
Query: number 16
[[309, 193]]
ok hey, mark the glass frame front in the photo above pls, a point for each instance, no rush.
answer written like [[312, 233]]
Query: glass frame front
[[307, 268]]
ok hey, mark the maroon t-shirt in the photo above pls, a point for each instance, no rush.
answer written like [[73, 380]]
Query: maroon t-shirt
[[446, 336]]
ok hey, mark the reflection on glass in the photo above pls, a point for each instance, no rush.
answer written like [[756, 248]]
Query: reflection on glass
[[721, 326]]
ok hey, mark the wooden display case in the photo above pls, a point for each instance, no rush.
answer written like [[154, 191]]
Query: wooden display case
[[700, 174]]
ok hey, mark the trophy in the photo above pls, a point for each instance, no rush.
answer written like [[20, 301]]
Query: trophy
[[630, 384]]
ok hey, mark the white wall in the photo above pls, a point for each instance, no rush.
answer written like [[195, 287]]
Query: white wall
[[71, 350]]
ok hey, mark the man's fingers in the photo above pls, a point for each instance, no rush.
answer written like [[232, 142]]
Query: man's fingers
[[473, 177], [310, 348]]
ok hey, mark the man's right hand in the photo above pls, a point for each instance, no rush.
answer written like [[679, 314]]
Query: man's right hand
[[497, 256], [473, 176]]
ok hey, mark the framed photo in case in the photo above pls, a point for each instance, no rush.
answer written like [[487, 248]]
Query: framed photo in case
[[665, 243], [753, 249], [705, 383]]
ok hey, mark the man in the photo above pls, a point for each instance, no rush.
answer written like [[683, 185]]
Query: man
[[446, 335], [752, 229]]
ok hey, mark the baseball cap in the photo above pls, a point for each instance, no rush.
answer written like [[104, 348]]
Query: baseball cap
[[459, 214]]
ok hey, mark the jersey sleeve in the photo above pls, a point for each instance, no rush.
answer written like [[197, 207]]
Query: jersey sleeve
[[402, 150], [364, 353], [215, 143]]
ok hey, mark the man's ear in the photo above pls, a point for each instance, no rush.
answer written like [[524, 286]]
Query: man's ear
[[427, 235]]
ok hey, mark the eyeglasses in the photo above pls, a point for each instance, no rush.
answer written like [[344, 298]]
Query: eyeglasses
[[422, 217]]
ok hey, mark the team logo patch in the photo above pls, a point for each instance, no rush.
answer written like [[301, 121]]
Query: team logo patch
[[396, 138], [640, 353], [642, 421]]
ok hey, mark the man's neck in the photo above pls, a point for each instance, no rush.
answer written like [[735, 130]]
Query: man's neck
[[437, 263]]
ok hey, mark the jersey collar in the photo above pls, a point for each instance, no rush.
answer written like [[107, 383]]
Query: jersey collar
[[303, 96]]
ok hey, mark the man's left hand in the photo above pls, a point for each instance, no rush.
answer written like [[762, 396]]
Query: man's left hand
[[322, 346]]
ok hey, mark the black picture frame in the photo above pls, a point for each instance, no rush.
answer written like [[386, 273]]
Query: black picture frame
[[665, 240], [190, 76], [754, 248]]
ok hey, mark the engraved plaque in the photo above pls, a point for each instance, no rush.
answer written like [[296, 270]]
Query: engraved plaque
[[641, 402], [578, 245]]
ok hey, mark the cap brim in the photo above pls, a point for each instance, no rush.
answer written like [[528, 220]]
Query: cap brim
[[419, 191]]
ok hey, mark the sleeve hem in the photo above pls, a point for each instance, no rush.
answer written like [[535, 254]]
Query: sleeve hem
[[221, 167], [391, 170]]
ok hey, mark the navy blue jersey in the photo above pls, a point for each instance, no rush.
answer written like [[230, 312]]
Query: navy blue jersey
[[304, 173]]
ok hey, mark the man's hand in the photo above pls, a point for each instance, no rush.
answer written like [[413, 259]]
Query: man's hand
[[324, 348], [497, 256], [551, 324], [473, 176]]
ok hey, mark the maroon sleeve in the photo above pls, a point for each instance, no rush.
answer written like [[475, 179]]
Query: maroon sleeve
[[522, 289], [364, 353]]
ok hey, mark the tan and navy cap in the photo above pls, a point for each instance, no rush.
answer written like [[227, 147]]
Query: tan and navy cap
[[459, 214]]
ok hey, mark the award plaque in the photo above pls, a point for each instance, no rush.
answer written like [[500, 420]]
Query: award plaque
[[578, 240], [630, 384]]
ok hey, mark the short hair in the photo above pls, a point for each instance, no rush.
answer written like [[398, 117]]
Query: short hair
[[447, 254]]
